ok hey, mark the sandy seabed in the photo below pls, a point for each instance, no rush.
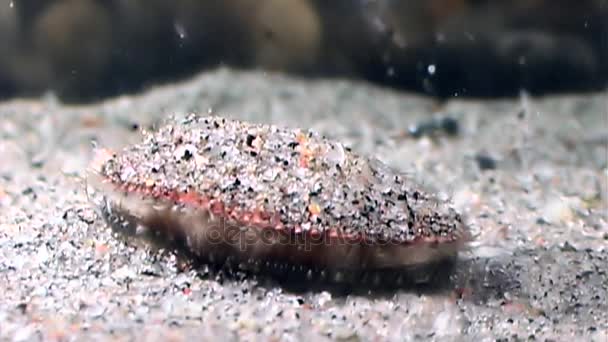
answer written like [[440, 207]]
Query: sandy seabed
[[531, 174]]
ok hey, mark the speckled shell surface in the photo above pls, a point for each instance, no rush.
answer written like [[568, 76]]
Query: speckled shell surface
[[283, 179]]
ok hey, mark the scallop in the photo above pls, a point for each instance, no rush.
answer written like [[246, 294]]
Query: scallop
[[325, 209]]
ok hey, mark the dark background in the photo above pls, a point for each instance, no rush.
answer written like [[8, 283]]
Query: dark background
[[85, 50]]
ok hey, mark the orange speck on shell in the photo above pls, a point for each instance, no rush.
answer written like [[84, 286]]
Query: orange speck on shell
[[314, 208], [301, 138], [305, 155], [101, 250], [149, 182]]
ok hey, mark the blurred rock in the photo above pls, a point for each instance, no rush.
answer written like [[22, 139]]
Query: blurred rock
[[486, 48], [286, 34], [89, 49], [75, 38]]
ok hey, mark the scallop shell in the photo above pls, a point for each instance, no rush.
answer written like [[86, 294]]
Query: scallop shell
[[266, 196]]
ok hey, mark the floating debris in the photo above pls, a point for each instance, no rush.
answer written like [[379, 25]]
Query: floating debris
[[265, 197]]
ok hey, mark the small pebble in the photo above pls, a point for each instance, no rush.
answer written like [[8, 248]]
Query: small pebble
[[448, 125], [485, 162]]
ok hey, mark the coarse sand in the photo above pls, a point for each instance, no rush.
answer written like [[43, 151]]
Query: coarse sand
[[531, 175]]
